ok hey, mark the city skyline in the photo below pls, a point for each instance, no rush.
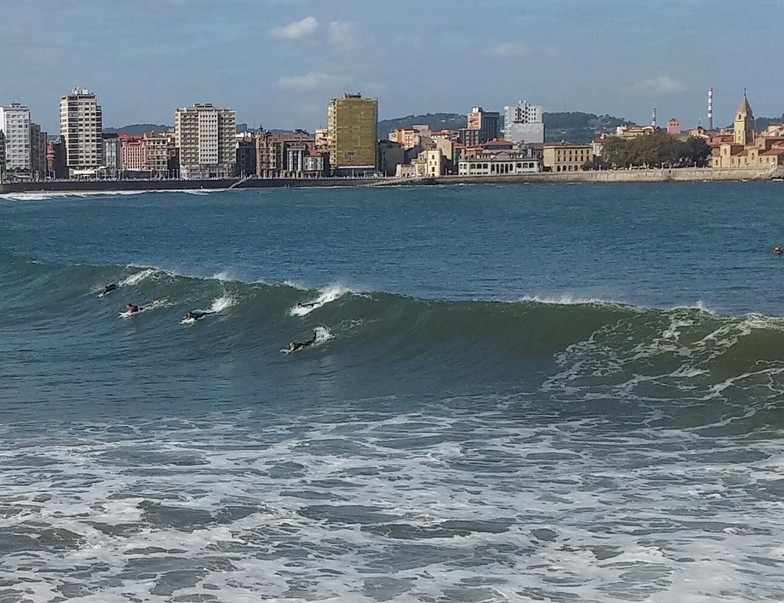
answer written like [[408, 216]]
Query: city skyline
[[277, 63]]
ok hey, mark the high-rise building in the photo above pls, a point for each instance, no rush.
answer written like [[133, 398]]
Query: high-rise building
[[15, 124], [112, 155], [38, 140], [205, 138], [481, 127], [523, 123], [2, 155], [156, 144], [352, 124], [81, 123]]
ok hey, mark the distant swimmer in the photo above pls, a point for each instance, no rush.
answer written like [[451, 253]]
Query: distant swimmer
[[306, 304], [107, 289], [197, 314], [298, 345], [778, 250]]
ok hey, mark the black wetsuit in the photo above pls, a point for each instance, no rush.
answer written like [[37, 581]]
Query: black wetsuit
[[133, 309], [109, 288], [298, 345], [197, 314]]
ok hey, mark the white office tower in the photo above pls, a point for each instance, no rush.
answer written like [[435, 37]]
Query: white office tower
[[81, 123], [15, 124], [205, 137], [523, 123]]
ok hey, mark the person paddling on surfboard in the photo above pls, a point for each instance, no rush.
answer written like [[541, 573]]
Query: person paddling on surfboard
[[109, 288], [298, 345], [197, 314], [133, 308], [306, 305]]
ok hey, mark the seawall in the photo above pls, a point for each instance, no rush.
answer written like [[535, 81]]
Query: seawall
[[633, 175], [600, 176]]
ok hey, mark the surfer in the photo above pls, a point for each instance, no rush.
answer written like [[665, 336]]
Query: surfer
[[196, 314], [778, 250], [306, 304], [298, 345], [133, 308], [108, 288]]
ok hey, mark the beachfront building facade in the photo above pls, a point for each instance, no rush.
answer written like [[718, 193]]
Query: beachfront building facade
[[282, 154], [481, 127], [132, 153], [566, 157], [524, 123], [2, 156], [111, 155], [205, 139], [15, 124], [81, 125], [498, 163], [38, 141], [156, 148], [352, 125]]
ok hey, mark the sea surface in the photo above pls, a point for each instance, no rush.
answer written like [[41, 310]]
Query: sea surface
[[516, 393]]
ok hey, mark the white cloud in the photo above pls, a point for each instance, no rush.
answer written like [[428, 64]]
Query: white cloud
[[310, 82], [296, 30], [344, 35], [511, 49], [662, 84]]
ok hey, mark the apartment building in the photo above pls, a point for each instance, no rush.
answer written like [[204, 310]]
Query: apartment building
[[566, 157], [205, 138], [524, 123], [352, 124], [156, 146], [81, 124], [15, 124], [38, 141]]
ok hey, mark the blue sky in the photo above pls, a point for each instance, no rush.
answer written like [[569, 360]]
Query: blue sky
[[278, 62]]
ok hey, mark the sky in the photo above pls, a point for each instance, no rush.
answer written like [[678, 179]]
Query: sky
[[277, 63]]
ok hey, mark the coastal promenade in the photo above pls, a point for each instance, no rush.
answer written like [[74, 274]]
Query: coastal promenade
[[588, 177]]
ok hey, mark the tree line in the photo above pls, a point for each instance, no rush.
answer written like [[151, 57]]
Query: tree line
[[655, 150]]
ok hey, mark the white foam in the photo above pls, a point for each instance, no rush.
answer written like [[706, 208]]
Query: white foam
[[225, 276], [136, 278], [327, 295], [224, 302], [572, 300]]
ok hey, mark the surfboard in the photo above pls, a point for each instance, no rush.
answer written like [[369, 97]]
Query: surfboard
[[150, 306]]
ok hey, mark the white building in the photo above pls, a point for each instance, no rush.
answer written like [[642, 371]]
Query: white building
[[523, 123], [205, 138], [81, 123], [15, 124], [503, 163]]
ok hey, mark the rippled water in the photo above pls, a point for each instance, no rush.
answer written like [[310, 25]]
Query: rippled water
[[525, 393]]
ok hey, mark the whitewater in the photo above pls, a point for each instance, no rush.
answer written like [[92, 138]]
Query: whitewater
[[515, 393]]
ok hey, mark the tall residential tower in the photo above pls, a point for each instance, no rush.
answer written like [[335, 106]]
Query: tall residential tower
[[352, 124], [81, 123], [15, 124], [205, 137]]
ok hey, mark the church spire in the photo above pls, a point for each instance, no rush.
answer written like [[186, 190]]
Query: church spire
[[744, 122]]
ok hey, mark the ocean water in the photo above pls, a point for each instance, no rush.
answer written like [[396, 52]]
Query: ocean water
[[516, 393]]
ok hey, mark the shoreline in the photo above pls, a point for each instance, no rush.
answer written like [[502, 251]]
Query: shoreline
[[588, 177]]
